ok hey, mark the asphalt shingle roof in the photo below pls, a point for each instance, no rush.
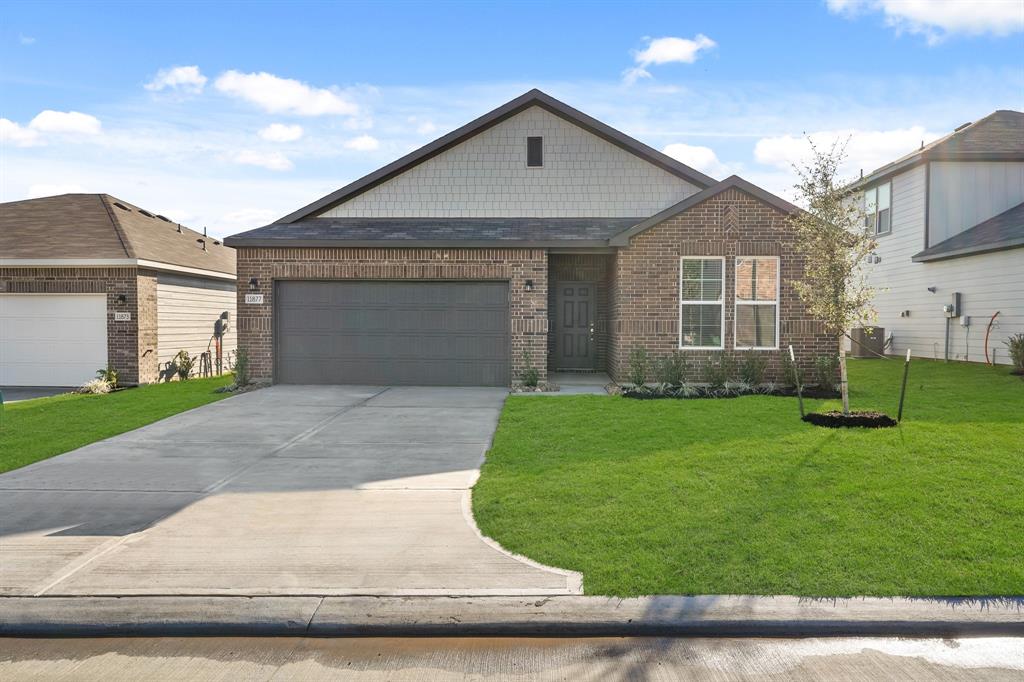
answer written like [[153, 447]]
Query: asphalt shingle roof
[[1004, 231], [403, 231], [99, 226]]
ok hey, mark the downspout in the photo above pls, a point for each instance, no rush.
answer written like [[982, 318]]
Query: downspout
[[946, 354]]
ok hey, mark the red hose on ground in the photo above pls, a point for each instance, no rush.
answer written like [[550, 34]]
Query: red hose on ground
[[987, 330]]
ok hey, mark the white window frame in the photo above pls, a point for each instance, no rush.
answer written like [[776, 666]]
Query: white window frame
[[720, 302], [874, 214], [737, 302]]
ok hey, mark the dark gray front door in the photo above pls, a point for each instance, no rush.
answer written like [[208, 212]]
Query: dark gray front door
[[574, 325], [403, 333]]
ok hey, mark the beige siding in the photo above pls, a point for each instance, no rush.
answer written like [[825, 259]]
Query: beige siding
[[486, 176], [187, 309], [988, 282]]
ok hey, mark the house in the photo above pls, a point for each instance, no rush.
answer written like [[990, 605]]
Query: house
[[534, 236], [949, 220], [89, 281]]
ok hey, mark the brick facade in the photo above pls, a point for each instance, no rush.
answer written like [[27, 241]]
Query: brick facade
[[528, 309], [131, 346], [644, 283]]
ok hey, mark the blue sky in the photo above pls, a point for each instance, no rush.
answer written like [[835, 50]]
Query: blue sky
[[231, 115]]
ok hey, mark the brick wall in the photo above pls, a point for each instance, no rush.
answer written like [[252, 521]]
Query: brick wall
[[528, 310], [645, 283], [128, 350], [581, 268]]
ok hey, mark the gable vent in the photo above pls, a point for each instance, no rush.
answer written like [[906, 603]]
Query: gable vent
[[535, 152]]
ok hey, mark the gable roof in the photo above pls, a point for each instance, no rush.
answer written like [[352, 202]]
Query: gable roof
[[731, 182], [90, 227], [1004, 231], [532, 98], [996, 137]]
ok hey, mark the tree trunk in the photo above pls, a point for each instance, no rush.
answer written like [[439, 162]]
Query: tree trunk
[[843, 386]]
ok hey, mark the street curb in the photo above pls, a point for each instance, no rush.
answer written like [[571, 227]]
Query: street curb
[[561, 616]]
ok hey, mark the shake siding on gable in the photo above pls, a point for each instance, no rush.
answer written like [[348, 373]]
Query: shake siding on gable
[[487, 176], [988, 282]]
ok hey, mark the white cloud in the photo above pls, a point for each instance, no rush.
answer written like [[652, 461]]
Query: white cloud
[[65, 122], [26, 40], [17, 135], [44, 189], [270, 160], [703, 159], [280, 132], [182, 79], [866, 149], [284, 95], [665, 51], [937, 19], [363, 143]]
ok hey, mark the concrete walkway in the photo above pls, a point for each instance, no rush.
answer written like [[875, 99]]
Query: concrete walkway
[[291, 490]]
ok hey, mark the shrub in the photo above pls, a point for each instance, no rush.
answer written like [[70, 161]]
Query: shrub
[[752, 370], [184, 363], [241, 367], [108, 375], [1016, 345], [718, 370], [788, 377], [672, 369], [826, 367], [638, 364], [530, 375], [95, 386]]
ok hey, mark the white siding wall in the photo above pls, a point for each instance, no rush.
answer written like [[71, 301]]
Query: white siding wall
[[988, 282], [486, 176], [187, 309], [964, 194]]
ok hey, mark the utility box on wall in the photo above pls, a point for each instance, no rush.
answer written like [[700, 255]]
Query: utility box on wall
[[867, 343]]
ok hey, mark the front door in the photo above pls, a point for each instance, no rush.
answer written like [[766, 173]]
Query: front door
[[574, 325]]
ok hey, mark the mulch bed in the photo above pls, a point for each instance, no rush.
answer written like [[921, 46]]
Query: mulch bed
[[836, 419], [705, 392]]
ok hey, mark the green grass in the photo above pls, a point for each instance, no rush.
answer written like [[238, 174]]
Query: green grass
[[32, 430], [741, 497]]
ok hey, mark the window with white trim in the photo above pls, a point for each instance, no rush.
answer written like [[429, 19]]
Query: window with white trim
[[701, 305], [757, 302], [878, 208]]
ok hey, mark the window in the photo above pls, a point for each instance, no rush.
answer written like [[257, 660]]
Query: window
[[701, 286], [535, 151], [757, 302], [878, 208]]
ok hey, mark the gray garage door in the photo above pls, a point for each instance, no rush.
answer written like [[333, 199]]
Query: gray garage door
[[410, 333]]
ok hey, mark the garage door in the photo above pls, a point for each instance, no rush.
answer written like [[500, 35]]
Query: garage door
[[51, 339], [408, 333]]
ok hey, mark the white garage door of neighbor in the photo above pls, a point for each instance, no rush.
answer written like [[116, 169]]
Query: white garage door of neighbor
[[52, 339]]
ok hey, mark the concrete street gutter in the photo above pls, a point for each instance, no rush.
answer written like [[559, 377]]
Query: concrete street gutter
[[563, 616]]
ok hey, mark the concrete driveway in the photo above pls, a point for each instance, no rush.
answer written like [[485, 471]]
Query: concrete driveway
[[326, 490]]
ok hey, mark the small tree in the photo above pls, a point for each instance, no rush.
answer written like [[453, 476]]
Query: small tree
[[835, 242]]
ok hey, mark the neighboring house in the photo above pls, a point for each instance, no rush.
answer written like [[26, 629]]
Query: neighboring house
[[534, 236], [949, 220], [89, 281]]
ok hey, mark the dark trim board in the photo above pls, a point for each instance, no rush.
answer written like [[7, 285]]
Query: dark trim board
[[566, 245], [532, 98]]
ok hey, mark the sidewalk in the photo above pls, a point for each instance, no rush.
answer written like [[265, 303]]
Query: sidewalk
[[563, 616]]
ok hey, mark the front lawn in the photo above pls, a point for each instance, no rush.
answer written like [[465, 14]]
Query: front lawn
[[32, 430], [738, 496]]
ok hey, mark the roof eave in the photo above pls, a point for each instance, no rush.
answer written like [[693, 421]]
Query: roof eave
[[925, 257], [257, 242]]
